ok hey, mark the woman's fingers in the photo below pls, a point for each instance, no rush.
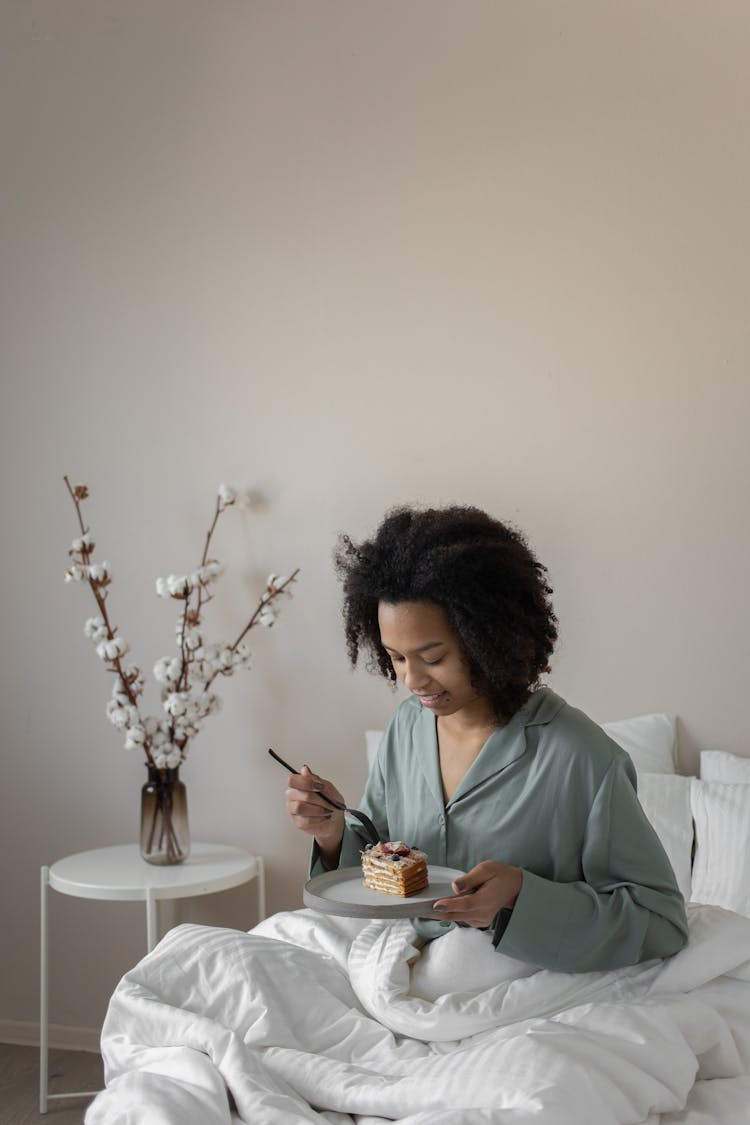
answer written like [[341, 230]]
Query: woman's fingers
[[310, 823], [483, 891], [302, 805], [307, 809], [476, 877], [312, 815], [323, 826], [474, 912], [302, 799], [305, 783], [308, 782]]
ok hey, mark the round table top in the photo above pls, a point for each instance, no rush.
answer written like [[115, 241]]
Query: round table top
[[121, 873]]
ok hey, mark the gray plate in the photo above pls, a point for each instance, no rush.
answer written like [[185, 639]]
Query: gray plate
[[343, 892]]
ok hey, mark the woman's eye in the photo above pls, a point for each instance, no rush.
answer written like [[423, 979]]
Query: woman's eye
[[431, 663]]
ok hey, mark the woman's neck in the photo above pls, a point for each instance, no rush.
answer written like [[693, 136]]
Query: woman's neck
[[475, 719]]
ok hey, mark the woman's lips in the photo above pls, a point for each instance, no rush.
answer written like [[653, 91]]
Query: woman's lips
[[433, 700]]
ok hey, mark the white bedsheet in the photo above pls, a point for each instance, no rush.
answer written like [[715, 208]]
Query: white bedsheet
[[311, 1018]]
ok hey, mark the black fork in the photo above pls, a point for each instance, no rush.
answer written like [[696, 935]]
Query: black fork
[[364, 820]]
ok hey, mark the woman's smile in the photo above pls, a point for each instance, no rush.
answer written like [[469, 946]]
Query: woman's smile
[[433, 700]]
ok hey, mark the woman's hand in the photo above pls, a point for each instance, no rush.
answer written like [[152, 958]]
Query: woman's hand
[[481, 892], [313, 815]]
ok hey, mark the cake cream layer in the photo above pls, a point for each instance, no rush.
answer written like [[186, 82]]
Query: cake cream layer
[[394, 868], [402, 879], [396, 892], [392, 888]]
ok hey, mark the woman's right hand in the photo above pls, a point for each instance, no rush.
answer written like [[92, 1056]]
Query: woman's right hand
[[313, 815]]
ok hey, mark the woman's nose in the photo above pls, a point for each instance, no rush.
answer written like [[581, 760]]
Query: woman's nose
[[414, 677]]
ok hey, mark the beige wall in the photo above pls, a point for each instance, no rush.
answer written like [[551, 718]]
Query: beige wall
[[353, 254]]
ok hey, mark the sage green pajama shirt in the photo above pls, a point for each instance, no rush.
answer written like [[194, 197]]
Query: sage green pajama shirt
[[552, 794]]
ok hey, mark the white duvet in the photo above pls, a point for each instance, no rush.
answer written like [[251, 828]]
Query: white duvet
[[310, 1018]]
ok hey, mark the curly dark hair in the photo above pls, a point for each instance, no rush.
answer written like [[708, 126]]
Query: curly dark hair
[[481, 572]]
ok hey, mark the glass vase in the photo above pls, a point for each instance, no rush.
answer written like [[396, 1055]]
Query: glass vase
[[165, 834]]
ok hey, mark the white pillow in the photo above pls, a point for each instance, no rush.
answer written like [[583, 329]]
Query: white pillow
[[666, 803], [650, 740], [722, 833], [716, 765], [372, 742]]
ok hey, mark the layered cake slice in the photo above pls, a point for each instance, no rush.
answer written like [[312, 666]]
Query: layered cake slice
[[394, 868]]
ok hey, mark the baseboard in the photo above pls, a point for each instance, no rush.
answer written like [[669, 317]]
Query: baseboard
[[26, 1034]]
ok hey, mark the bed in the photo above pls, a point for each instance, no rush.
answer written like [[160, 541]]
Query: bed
[[316, 1018]]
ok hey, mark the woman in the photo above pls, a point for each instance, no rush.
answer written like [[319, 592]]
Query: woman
[[484, 769]]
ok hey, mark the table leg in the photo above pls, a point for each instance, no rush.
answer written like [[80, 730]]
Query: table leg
[[44, 1095], [261, 889], [43, 995], [152, 935]]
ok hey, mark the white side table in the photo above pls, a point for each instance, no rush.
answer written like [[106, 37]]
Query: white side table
[[119, 873]]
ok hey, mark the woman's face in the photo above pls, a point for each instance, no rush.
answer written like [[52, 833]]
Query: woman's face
[[427, 657]]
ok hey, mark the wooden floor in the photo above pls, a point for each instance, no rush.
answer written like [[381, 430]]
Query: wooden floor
[[19, 1085]]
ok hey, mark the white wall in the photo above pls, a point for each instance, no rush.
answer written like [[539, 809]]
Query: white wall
[[356, 254]]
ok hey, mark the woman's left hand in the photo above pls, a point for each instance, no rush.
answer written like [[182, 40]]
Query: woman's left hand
[[480, 893]]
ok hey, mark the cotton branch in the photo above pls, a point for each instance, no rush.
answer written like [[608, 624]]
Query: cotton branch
[[164, 740], [98, 586]]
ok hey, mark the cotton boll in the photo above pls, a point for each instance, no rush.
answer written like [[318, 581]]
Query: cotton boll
[[168, 757], [120, 693], [84, 543], [227, 493], [135, 738], [167, 670], [204, 575], [111, 649], [192, 639], [176, 703], [211, 703], [120, 717], [134, 679], [169, 761], [188, 637], [267, 615], [185, 729], [179, 585], [161, 735], [95, 628], [100, 573]]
